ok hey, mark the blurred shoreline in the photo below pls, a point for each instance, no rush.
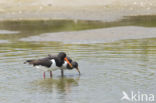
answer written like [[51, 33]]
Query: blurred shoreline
[[104, 10], [89, 10]]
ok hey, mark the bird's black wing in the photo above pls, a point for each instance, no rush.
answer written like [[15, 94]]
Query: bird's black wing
[[43, 62]]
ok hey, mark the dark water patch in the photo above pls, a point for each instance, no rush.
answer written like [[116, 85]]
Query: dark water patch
[[36, 27], [142, 20]]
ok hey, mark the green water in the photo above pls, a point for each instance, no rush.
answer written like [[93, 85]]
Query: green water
[[29, 28], [107, 68]]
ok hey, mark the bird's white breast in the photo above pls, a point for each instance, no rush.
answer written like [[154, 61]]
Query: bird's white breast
[[53, 66]]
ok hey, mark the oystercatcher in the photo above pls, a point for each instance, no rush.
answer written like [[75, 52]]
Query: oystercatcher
[[51, 63], [74, 65], [67, 66]]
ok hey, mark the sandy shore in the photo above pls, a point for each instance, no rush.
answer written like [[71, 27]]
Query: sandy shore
[[96, 36], [106, 10]]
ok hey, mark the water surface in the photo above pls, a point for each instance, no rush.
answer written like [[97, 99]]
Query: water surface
[[107, 68]]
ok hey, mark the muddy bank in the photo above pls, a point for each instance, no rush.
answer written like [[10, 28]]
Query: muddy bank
[[96, 36], [106, 10]]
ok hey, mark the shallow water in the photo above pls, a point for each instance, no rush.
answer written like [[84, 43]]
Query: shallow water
[[107, 70]]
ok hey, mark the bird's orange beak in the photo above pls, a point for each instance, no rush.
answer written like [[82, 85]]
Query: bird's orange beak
[[68, 62]]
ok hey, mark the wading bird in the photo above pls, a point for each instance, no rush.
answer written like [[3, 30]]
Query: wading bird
[[50, 63], [54, 62]]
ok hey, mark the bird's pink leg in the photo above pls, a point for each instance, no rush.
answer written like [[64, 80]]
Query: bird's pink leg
[[51, 74], [44, 75]]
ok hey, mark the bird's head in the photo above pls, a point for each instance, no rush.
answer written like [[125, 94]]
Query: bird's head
[[76, 66], [62, 55]]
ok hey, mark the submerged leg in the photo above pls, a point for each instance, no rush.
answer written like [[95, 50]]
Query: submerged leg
[[62, 72], [44, 75], [51, 74]]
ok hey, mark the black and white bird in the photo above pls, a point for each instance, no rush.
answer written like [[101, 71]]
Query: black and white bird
[[74, 64], [51, 63], [66, 66]]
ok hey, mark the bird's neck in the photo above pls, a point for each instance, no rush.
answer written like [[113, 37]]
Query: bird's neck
[[59, 62]]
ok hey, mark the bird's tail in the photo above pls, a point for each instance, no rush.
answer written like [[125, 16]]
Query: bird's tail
[[29, 61]]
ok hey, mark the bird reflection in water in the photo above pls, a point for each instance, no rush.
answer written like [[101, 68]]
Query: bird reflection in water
[[61, 85]]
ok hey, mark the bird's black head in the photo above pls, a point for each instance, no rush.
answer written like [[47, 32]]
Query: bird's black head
[[62, 55], [75, 65]]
